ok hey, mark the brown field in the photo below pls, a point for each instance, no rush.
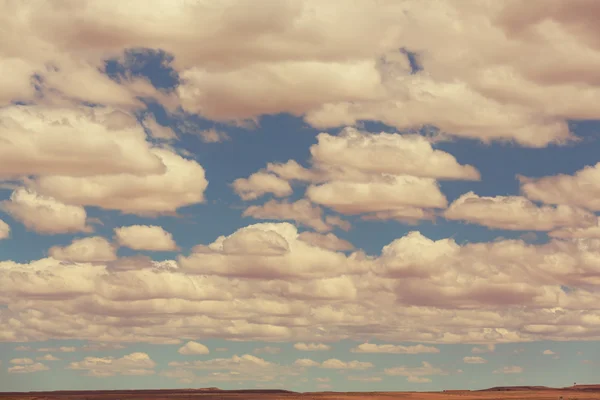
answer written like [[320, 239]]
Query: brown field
[[580, 393]]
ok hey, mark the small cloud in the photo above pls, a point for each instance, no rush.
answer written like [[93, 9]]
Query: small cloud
[[418, 379], [393, 349], [474, 360], [322, 380], [27, 369], [221, 349], [365, 378], [192, 348], [47, 357], [213, 136], [548, 352], [305, 362], [312, 347], [21, 361], [23, 348]]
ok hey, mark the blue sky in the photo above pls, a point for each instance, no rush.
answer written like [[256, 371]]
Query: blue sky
[[332, 199]]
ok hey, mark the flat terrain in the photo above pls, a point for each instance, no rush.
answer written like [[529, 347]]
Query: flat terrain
[[494, 394]]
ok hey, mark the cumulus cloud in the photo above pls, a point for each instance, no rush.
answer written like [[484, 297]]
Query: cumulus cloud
[[591, 232], [280, 288], [259, 184], [4, 230], [548, 352], [47, 357], [90, 249], [44, 214], [28, 369], [578, 190], [365, 378], [327, 241], [311, 346], [301, 211], [213, 136], [393, 349], [193, 348], [22, 361], [75, 141], [131, 364], [474, 360], [182, 183], [334, 363], [145, 237], [516, 213]]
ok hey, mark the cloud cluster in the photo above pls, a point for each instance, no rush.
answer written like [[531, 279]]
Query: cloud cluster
[[263, 282]]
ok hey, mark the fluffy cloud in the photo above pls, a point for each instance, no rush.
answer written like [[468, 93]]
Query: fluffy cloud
[[311, 346], [350, 70], [591, 232], [90, 249], [213, 136], [301, 211], [353, 152], [474, 360], [47, 357], [579, 190], [548, 352], [28, 369], [182, 183], [365, 378], [513, 369], [280, 288], [77, 141], [131, 364], [516, 213], [45, 214], [334, 363], [259, 184], [393, 349], [22, 361], [145, 237], [4, 230], [327, 241], [193, 348]]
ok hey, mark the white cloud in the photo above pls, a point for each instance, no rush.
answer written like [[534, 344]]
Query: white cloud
[[145, 237], [334, 363], [75, 141], [591, 232], [393, 349], [259, 184], [311, 346], [28, 369], [548, 352], [365, 378], [4, 230], [22, 361], [474, 360], [327, 241], [191, 348], [47, 357], [516, 213], [301, 211], [89, 249], [579, 189], [306, 362], [182, 183], [213, 136], [131, 364], [45, 214], [512, 369], [61, 349]]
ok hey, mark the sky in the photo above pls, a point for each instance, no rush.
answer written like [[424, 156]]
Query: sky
[[344, 195]]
